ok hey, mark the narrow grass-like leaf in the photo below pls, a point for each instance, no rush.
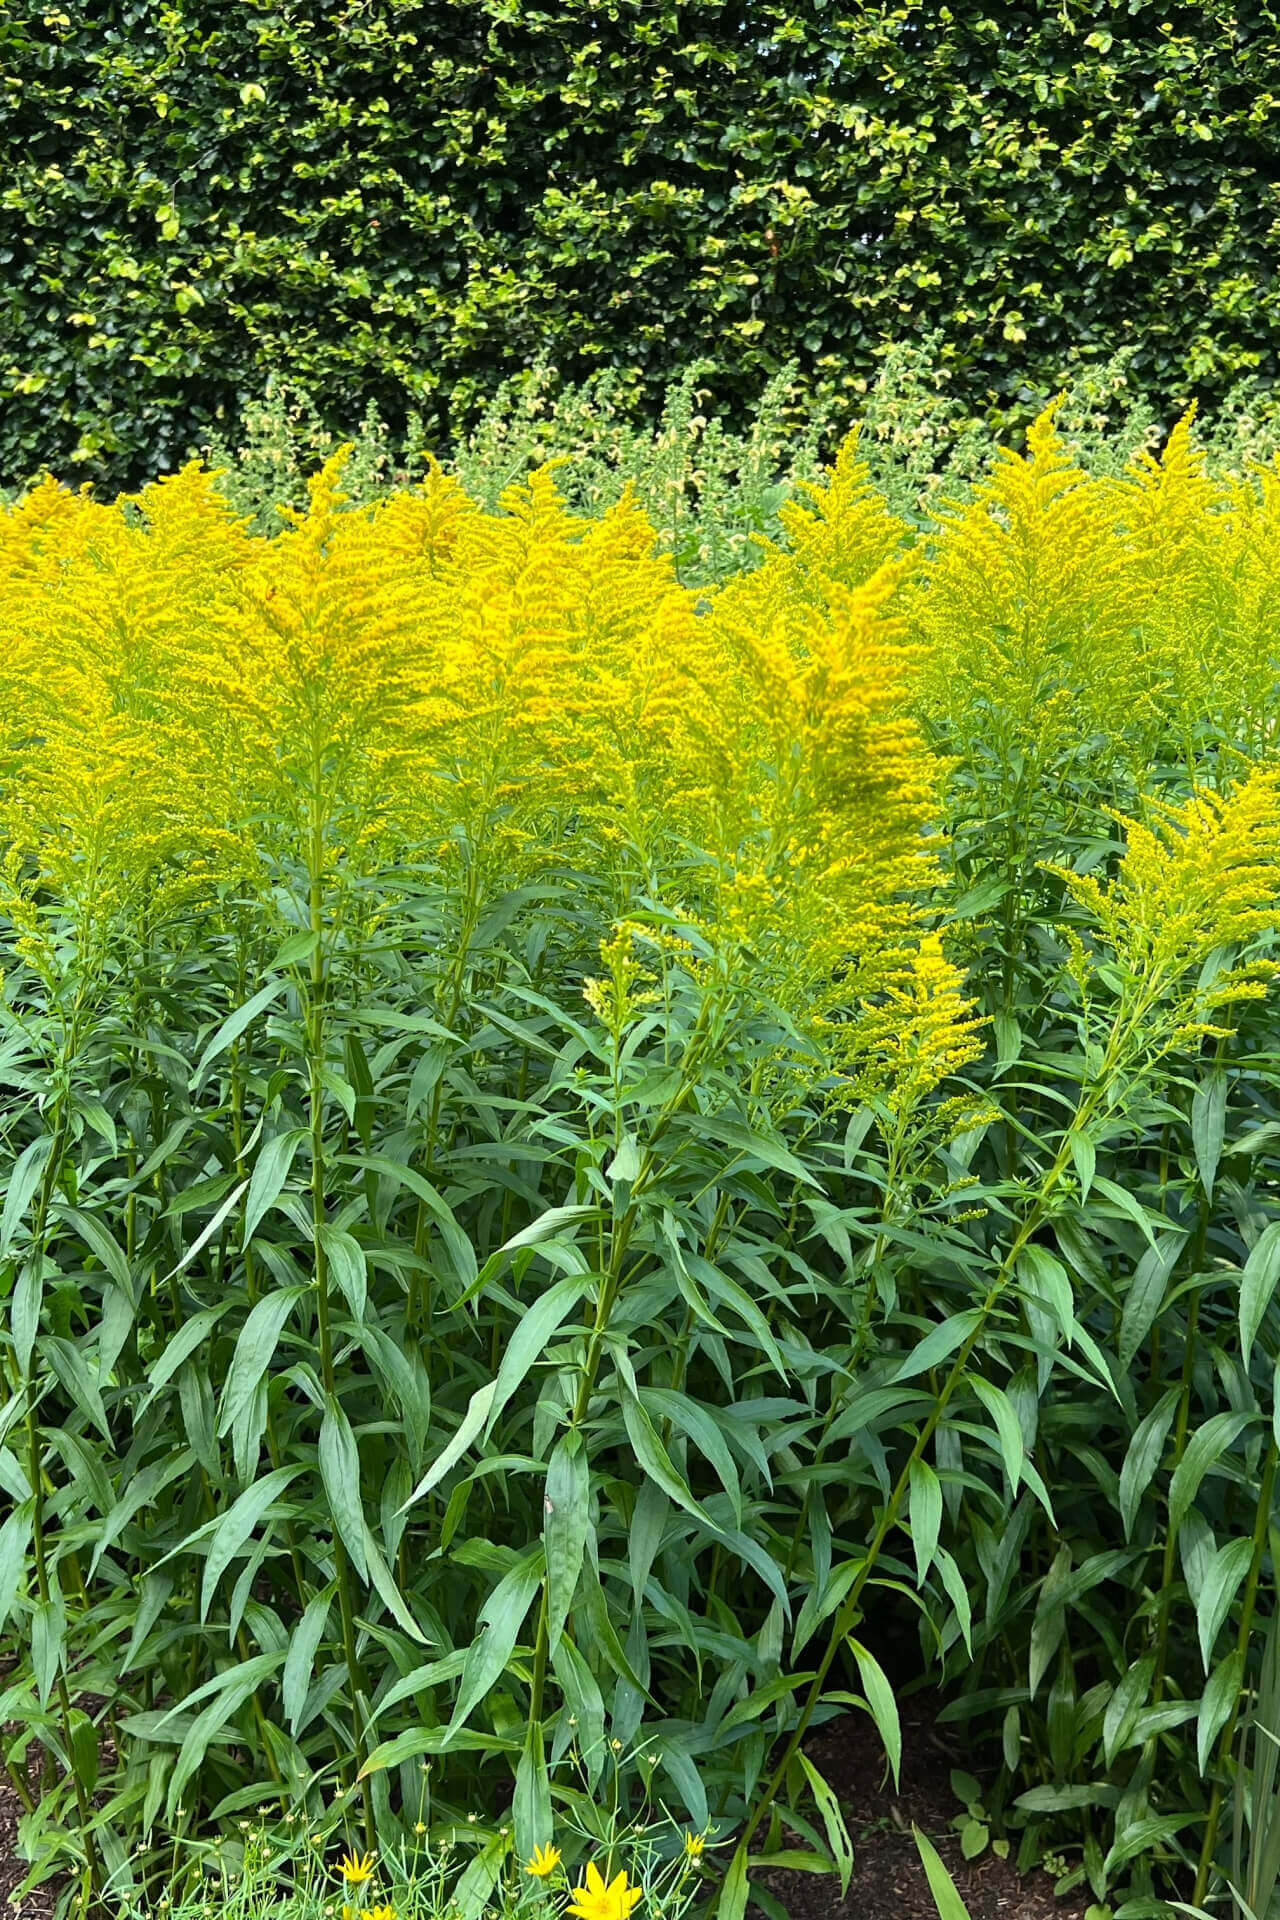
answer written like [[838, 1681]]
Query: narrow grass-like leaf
[[271, 1170], [566, 1524], [340, 1472], [883, 1705], [946, 1895], [236, 1526]]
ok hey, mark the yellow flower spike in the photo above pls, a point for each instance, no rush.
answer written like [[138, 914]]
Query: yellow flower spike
[[596, 1901], [543, 1861], [356, 1868]]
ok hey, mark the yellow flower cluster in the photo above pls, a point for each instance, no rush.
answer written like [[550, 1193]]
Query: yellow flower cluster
[[1106, 620], [191, 715], [1196, 882]]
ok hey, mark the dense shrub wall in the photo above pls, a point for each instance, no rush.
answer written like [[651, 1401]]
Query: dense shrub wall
[[401, 201]]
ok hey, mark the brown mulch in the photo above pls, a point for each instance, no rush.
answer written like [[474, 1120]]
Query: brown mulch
[[39, 1904], [888, 1880]]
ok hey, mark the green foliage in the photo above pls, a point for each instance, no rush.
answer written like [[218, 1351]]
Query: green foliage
[[467, 1305], [712, 492], [400, 204], [272, 1869]]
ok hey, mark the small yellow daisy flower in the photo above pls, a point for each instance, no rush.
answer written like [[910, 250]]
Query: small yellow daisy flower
[[544, 1861], [356, 1868], [693, 1845], [596, 1901]]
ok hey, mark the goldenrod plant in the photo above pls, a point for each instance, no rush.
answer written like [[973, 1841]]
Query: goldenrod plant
[[588, 1149]]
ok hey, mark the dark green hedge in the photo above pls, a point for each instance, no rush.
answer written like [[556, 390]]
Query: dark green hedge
[[403, 200]]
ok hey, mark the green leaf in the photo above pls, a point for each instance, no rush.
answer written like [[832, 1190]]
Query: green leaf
[[1008, 1430], [1084, 1157], [15, 1538], [1067, 1799], [234, 1687], [531, 1802], [78, 1381], [236, 1526], [383, 1583], [654, 1460], [1208, 1124], [197, 1246], [182, 1346], [946, 1895], [271, 1170], [24, 1178], [1143, 1457], [832, 1819], [925, 1515], [501, 1619], [527, 1344], [1226, 1571], [1042, 1275], [346, 1261], [254, 1351], [1258, 1285], [751, 1710], [472, 1893], [958, 1594], [883, 1705], [1127, 1699], [85, 1755], [48, 1644], [1203, 1451], [1145, 1835], [469, 1427], [974, 1835], [1217, 1703], [28, 1298], [340, 1473], [753, 1145], [731, 1901], [98, 1238], [939, 1344], [303, 1642], [565, 1527], [234, 1025], [456, 1244], [697, 1425], [1125, 1204], [1144, 1296]]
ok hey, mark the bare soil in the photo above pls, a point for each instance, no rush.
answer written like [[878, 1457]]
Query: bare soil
[[38, 1905], [888, 1880]]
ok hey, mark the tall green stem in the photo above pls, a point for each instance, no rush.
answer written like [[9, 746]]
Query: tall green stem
[[1261, 1526], [848, 1612], [315, 1043], [35, 1474]]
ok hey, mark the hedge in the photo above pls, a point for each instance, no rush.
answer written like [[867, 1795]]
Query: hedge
[[400, 202]]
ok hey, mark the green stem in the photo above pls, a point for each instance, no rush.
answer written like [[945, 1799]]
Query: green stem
[[1164, 1600], [1261, 1526], [315, 1042], [848, 1612], [35, 1474]]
